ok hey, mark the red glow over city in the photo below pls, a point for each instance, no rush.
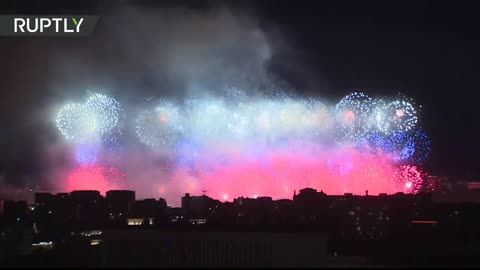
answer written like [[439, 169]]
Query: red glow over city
[[278, 173], [255, 172], [98, 178]]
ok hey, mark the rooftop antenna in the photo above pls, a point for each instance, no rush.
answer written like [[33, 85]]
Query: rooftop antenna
[[204, 191]]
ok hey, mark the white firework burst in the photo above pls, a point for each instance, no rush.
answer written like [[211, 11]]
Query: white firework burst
[[397, 116], [76, 123], [79, 123], [352, 115], [160, 125]]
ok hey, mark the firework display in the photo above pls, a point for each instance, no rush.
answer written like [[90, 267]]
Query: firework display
[[76, 123], [81, 123], [159, 125], [352, 114], [92, 128], [207, 118], [408, 179], [236, 145], [106, 110], [396, 116]]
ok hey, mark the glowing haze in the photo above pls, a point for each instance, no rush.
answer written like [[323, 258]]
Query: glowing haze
[[233, 145], [162, 118]]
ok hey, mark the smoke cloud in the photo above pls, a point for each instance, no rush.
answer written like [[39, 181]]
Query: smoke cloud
[[174, 53]]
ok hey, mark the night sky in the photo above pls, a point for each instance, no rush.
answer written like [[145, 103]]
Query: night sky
[[427, 50]]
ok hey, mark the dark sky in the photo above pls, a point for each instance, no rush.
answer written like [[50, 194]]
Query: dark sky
[[428, 50]]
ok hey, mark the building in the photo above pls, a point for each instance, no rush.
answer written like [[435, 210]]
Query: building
[[14, 211], [119, 205], [155, 212], [460, 194], [254, 212], [53, 216], [198, 207], [42, 198], [177, 215], [310, 206], [88, 209], [147, 248], [15, 229]]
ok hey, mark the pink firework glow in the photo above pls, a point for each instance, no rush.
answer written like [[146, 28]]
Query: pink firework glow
[[409, 179], [95, 178], [277, 173], [227, 172]]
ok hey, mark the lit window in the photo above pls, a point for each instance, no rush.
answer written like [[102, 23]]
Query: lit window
[[43, 244], [95, 242], [135, 221]]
